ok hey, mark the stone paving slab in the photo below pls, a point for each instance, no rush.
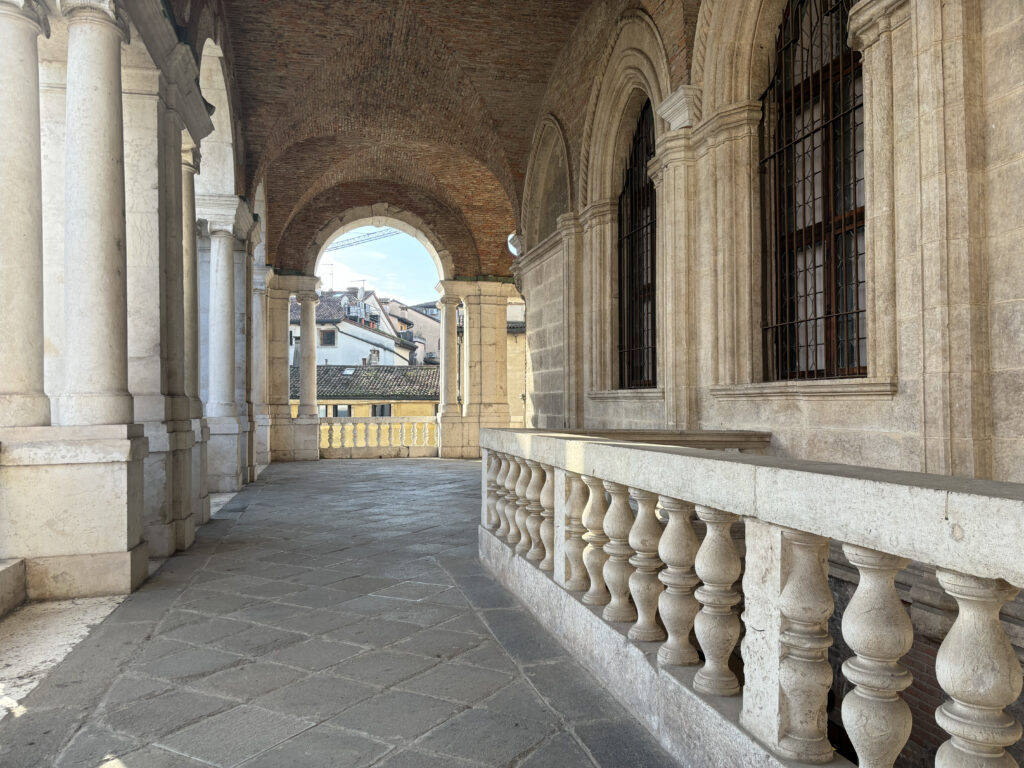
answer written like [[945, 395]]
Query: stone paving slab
[[332, 614]]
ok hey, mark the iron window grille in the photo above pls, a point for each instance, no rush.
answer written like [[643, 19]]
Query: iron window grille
[[328, 338], [812, 198], [637, 222]]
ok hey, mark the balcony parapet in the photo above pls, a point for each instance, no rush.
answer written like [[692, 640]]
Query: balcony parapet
[[378, 437], [691, 537]]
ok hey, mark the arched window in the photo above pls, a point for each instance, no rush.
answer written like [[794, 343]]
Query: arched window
[[637, 348], [812, 176]]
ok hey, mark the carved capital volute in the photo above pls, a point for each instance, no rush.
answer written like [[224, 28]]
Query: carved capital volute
[[112, 10], [32, 10]]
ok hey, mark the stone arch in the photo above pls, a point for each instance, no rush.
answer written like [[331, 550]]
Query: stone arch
[[548, 192], [380, 215], [220, 170], [636, 70], [734, 51]]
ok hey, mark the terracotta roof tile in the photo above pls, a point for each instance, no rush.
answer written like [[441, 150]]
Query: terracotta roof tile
[[372, 382]]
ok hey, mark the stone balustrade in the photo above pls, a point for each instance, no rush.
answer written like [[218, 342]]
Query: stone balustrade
[[378, 437], [663, 557]]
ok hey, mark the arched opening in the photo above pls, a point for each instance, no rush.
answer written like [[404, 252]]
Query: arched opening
[[217, 172]]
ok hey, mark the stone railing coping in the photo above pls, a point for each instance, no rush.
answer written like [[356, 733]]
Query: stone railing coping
[[966, 525], [377, 419]]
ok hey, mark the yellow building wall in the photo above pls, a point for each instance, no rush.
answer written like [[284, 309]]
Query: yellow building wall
[[361, 408]]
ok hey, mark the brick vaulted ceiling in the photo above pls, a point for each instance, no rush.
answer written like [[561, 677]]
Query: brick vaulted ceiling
[[425, 104]]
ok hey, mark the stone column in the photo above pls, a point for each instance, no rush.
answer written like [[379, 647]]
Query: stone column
[[260, 338], [308, 301], [200, 495], [222, 321], [95, 303], [485, 340], [278, 300], [229, 219], [72, 505], [449, 356], [190, 274], [180, 432], [22, 401]]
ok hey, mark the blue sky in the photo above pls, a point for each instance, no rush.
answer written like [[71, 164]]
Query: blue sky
[[397, 267]]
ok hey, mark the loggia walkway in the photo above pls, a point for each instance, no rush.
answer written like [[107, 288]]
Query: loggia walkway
[[332, 614]]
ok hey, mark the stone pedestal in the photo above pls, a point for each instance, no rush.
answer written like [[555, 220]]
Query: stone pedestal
[[199, 493], [224, 460], [71, 507]]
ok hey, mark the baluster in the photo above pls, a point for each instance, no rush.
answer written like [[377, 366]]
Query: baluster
[[594, 556], [976, 666], [493, 464], [418, 428], [644, 585], [511, 480], [350, 436], [617, 524], [717, 626], [522, 501], [373, 438], [547, 526], [499, 495], [338, 436], [385, 434], [805, 675], [534, 510], [578, 580], [876, 626], [323, 431], [677, 605]]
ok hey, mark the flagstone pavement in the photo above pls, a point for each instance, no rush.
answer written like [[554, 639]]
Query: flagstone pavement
[[332, 614]]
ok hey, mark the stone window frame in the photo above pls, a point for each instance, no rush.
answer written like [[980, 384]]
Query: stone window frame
[[636, 71], [726, 93]]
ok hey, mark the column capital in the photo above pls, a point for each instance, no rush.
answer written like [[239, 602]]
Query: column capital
[[113, 10], [304, 297], [869, 19], [32, 10], [191, 158], [681, 108], [226, 214], [450, 300]]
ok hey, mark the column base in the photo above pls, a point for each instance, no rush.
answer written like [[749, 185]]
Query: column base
[[71, 502], [261, 442], [157, 513], [199, 494], [224, 460], [458, 438], [95, 575], [295, 439], [24, 410]]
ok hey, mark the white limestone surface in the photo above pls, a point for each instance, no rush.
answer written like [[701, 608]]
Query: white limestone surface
[[36, 638]]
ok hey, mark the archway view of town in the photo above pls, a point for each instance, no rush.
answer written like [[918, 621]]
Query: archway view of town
[[378, 344], [492, 384]]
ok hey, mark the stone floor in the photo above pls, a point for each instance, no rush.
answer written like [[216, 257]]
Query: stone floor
[[332, 614]]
